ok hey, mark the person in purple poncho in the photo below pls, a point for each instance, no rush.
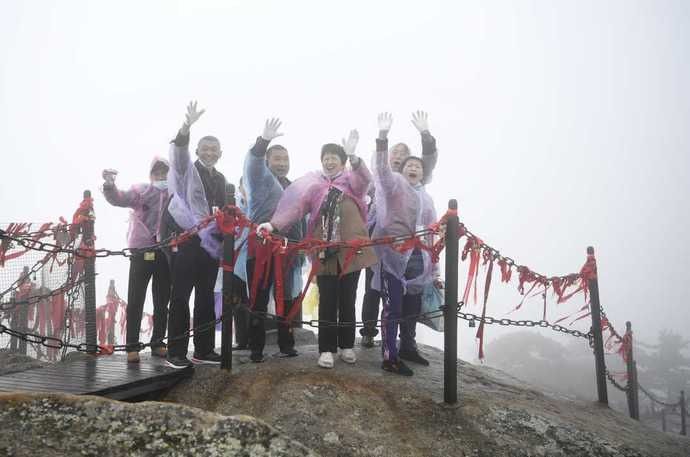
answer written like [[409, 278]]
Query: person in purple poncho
[[403, 207], [397, 154], [147, 202], [334, 200]]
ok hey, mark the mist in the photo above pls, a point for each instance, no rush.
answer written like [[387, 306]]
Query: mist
[[560, 125]]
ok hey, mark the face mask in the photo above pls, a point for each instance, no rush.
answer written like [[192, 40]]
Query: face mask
[[160, 185]]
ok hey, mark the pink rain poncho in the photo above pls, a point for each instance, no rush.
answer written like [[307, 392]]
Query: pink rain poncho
[[401, 209], [146, 202], [306, 195]]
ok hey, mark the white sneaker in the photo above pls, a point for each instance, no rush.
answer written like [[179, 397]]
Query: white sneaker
[[326, 360], [348, 355]]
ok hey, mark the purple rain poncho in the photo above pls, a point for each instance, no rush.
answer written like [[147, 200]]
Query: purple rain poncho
[[401, 209], [146, 202], [188, 205]]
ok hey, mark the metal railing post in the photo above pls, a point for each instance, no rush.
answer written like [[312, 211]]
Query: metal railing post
[[450, 347], [228, 259], [595, 306]]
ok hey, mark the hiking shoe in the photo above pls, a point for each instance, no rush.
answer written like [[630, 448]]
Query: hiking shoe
[[397, 367], [289, 352], [177, 362], [326, 360], [133, 357], [413, 356], [367, 341], [212, 358], [159, 351], [257, 357], [348, 355]]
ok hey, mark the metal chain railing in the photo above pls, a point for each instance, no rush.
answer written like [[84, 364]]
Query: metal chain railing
[[33, 299], [524, 323], [656, 400], [57, 343], [615, 383]]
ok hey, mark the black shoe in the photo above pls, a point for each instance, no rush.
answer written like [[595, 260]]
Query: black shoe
[[289, 352], [211, 358], [257, 357], [177, 362], [414, 357], [367, 341], [397, 367]]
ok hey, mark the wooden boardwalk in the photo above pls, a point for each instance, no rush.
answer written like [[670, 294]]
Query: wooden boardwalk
[[106, 376]]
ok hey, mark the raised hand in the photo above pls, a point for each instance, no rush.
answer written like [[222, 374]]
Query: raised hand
[[191, 116], [109, 176], [271, 129], [385, 121], [350, 145], [420, 119]]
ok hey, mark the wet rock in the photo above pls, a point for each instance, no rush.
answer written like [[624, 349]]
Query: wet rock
[[65, 425], [372, 412]]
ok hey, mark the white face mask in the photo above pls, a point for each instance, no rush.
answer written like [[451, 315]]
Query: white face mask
[[161, 185]]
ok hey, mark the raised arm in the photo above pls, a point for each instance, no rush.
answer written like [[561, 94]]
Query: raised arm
[[420, 120], [180, 161], [117, 197], [257, 175], [385, 178]]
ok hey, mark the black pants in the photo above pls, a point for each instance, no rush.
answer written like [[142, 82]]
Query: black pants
[[337, 297], [257, 324], [370, 306], [192, 268], [142, 267]]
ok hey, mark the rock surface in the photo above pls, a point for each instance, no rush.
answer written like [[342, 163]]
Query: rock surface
[[65, 425], [360, 410], [11, 362]]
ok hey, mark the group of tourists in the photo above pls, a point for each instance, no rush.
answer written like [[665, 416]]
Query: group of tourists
[[342, 201]]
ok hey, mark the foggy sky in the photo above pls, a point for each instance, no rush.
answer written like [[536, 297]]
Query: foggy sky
[[559, 124]]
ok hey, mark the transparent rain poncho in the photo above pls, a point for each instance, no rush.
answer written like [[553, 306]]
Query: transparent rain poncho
[[401, 209], [188, 205]]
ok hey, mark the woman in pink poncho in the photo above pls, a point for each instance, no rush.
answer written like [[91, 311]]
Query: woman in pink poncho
[[334, 200]]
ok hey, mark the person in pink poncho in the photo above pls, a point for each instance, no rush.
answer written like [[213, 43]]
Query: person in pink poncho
[[147, 201], [333, 198]]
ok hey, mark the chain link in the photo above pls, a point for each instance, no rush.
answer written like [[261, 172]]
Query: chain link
[[523, 323], [656, 400], [616, 384], [32, 300]]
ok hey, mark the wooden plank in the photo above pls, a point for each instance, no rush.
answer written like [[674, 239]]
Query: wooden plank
[[109, 376]]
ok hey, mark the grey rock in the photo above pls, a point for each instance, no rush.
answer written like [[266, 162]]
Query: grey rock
[[65, 425], [373, 412]]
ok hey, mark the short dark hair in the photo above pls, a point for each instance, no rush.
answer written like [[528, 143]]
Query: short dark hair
[[275, 147], [408, 158], [332, 148], [208, 138]]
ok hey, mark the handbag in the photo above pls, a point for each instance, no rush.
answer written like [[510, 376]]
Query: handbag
[[432, 301]]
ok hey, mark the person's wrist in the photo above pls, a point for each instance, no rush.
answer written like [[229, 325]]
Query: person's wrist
[[383, 134]]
